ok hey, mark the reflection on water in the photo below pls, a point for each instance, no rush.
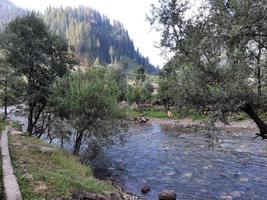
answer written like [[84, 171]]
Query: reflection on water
[[187, 163]]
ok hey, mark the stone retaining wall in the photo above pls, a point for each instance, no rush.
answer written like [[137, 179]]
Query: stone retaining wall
[[11, 187]]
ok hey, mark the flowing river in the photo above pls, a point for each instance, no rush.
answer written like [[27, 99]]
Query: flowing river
[[188, 163], [191, 164]]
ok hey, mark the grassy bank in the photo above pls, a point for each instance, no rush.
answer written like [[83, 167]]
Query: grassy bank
[[2, 125], [160, 113], [44, 172]]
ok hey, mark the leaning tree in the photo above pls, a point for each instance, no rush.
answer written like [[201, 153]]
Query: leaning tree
[[219, 55], [37, 56]]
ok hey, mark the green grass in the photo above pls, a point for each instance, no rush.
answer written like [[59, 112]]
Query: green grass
[[16, 125], [2, 125], [160, 113], [50, 174], [196, 115], [148, 113]]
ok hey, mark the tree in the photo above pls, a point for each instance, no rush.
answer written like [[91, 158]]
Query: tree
[[168, 79], [140, 75], [11, 85], [88, 101], [141, 92], [219, 55], [115, 72], [39, 57]]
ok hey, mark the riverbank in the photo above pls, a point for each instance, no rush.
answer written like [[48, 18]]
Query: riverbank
[[157, 115], [46, 172], [189, 122]]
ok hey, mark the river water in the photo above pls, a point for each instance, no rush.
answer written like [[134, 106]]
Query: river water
[[191, 164], [188, 163]]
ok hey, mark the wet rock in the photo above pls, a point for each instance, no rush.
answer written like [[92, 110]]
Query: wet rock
[[115, 196], [188, 175], [91, 196], [236, 194], [167, 195], [119, 195], [243, 179], [141, 119], [226, 197], [145, 189]]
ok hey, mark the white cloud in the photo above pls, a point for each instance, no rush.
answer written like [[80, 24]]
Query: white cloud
[[132, 14]]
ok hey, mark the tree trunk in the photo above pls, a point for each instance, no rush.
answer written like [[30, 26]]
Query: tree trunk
[[62, 143], [5, 108], [5, 98], [78, 143], [259, 76], [140, 108], [30, 120], [248, 109]]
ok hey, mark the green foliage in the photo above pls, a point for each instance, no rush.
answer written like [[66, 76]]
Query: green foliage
[[115, 72], [219, 56], [2, 125], [88, 101], [11, 85], [141, 91], [38, 57], [86, 94]]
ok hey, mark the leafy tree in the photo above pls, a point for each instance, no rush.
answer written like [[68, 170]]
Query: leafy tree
[[167, 82], [39, 57], [219, 55], [141, 92], [88, 101], [11, 85], [115, 72], [140, 75]]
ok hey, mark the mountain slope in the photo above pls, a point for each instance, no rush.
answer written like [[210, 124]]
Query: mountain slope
[[8, 11], [94, 36]]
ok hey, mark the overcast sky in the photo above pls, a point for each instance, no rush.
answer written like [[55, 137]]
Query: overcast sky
[[132, 14]]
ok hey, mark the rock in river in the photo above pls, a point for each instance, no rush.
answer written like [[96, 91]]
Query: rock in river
[[167, 195], [145, 189]]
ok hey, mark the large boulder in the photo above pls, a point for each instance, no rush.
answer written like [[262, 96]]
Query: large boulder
[[167, 195]]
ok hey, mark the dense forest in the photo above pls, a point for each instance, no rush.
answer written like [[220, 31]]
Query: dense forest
[[93, 36]]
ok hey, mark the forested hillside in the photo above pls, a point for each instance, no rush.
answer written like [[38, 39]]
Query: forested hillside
[[94, 36]]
